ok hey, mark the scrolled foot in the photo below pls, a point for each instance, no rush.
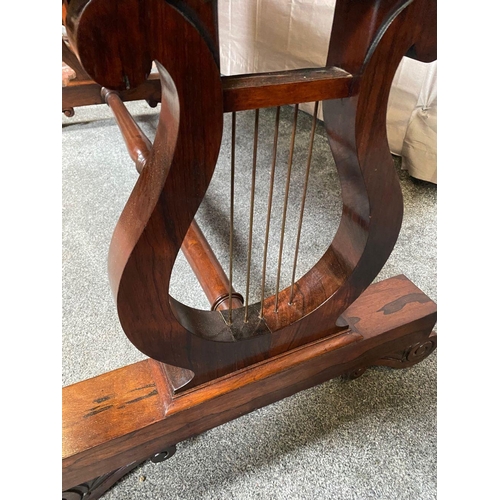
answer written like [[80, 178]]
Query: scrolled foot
[[411, 355], [95, 488], [164, 455], [69, 112], [353, 375], [152, 103], [76, 493], [89, 490]]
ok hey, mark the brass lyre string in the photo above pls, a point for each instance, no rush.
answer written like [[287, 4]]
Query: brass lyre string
[[285, 204], [269, 206], [231, 217], [303, 202], [252, 202]]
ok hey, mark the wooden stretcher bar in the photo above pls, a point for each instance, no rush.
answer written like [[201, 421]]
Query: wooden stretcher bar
[[241, 92]]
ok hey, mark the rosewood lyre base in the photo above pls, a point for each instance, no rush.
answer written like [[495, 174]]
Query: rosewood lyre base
[[205, 368], [390, 325]]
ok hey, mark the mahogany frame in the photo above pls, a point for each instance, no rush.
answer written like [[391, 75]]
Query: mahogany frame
[[340, 329]]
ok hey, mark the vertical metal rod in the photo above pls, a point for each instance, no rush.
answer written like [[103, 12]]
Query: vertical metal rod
[[252, 203], [231, 217], [285, 204], [269, 206], [302, 205]]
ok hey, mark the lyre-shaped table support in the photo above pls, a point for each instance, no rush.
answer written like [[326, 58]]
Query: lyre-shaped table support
[[206, 367]]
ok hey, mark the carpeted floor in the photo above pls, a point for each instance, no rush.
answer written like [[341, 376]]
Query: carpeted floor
[[373, 438]]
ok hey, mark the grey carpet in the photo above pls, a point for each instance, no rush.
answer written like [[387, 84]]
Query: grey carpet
[[371, 438]]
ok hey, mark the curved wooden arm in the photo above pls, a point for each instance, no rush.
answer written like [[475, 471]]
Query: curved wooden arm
[[368, 42]]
